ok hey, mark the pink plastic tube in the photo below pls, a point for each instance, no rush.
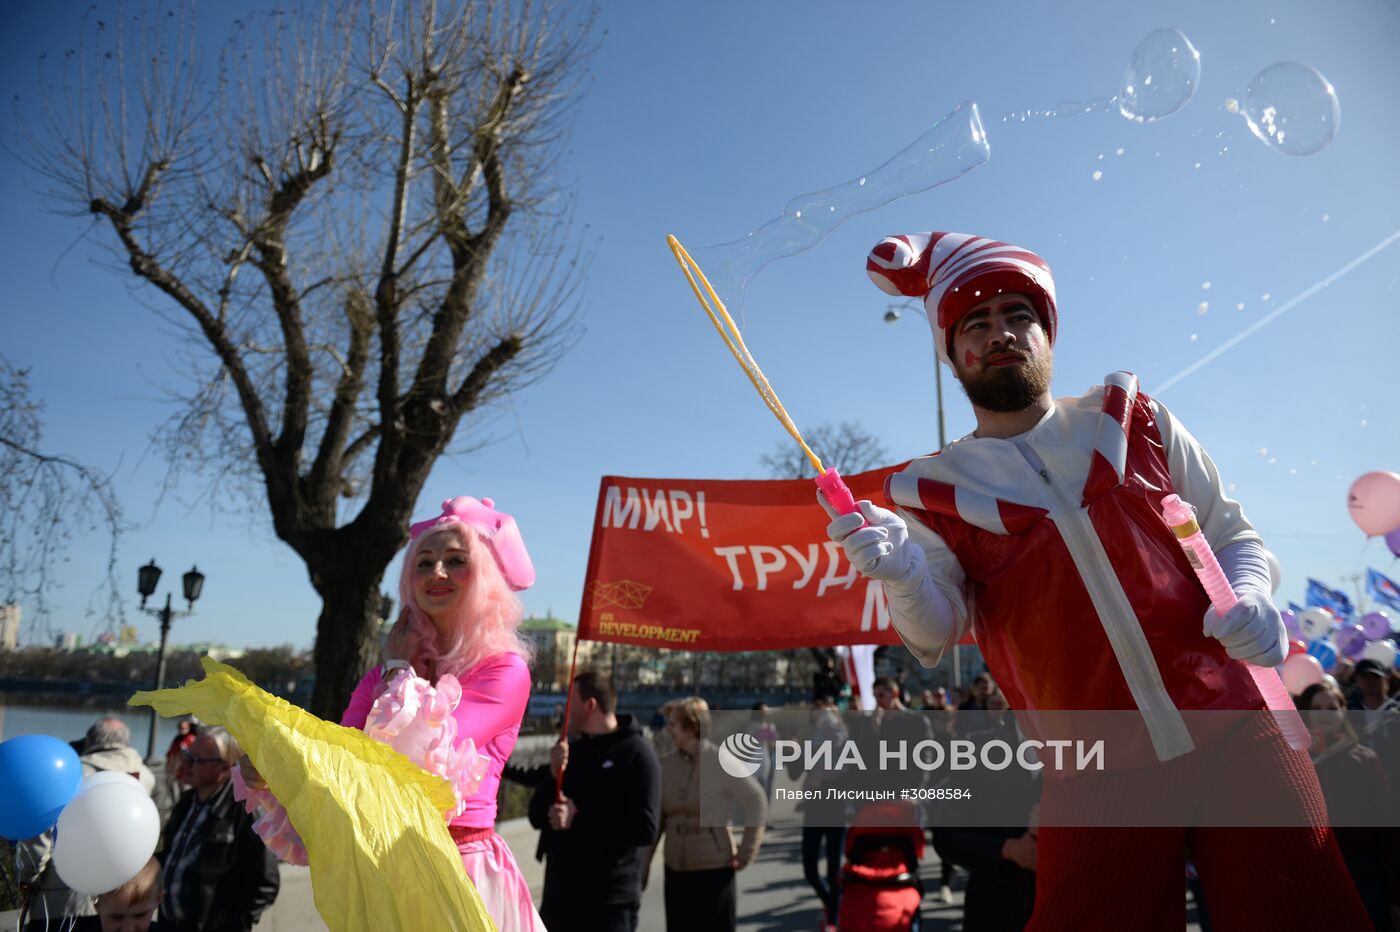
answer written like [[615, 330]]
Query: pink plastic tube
[[837, 493], [1182, 520]]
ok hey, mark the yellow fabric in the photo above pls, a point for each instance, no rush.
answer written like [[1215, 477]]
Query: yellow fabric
[[372, 822]]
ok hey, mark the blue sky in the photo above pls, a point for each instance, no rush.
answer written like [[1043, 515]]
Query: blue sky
[[703, 120]]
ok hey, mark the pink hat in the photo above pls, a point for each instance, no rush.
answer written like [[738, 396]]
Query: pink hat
[[954, 272], [495, 528]]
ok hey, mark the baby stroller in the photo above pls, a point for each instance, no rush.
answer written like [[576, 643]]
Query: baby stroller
[[880, 886]]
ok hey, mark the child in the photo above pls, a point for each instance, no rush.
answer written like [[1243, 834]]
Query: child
[[130, 907]]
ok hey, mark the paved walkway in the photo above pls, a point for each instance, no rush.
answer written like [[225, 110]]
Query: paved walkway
[[773, 896]]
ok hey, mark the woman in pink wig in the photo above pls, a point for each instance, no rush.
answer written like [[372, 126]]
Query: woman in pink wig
[[452, 689]]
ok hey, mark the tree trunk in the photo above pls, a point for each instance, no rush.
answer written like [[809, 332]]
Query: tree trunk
[[347, 636]]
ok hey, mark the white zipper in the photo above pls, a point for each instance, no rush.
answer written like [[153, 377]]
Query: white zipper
[[1165, 725]]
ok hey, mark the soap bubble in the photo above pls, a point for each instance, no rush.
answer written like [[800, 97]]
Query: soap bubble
[[949, 149], [1161, 77], [1292, 108]]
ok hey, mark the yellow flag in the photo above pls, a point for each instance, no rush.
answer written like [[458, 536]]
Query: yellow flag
[[372, 821]]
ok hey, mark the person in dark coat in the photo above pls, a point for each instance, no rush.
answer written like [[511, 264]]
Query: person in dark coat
[[597, 837], [218, 875]]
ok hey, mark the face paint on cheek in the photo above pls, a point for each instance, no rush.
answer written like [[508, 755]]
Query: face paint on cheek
[[969, 359]]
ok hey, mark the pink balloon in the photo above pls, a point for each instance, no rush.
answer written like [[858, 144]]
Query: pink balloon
[[1301, 671], [1392, 540], [1374, 503]]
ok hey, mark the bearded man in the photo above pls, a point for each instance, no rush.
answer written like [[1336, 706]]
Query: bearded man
[[1042, 532]]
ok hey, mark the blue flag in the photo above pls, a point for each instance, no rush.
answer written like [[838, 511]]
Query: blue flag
[[1383, 589], [1334, 600]]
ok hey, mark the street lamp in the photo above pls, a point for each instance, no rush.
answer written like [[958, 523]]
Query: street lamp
[[892, 314], [146, 579]]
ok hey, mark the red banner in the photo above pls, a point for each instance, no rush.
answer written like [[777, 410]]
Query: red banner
[[698, 564]]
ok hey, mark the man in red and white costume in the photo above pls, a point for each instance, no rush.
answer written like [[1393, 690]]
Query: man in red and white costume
[[1042, 532]]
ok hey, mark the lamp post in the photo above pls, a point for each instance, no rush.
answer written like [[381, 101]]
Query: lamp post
[[892, 315], [146, 579]]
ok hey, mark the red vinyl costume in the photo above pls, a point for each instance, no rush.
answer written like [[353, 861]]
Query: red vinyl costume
[[1052, 547]]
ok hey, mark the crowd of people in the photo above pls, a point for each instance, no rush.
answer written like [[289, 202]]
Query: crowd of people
[[607, 800], [1043, 533], [211, 871]]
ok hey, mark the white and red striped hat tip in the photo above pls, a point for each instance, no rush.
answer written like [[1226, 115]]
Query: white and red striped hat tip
[[954, 272]]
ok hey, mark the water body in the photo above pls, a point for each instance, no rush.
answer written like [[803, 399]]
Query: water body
[[70, 723]]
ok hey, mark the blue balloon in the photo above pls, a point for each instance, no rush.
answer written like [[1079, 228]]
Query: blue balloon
[[38, 776], [1325, 653]]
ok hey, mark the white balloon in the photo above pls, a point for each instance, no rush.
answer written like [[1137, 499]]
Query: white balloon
[[106, 834], [1275, 571], [108, 776], [1382, 652], [1316, 623]]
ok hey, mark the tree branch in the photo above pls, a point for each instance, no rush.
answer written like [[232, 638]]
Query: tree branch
[[469, 392], [387, 299], [270, 241], [327, 467], [145, 266]]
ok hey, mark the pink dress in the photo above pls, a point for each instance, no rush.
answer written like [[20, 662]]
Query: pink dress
[[483, 728], [494, 696]]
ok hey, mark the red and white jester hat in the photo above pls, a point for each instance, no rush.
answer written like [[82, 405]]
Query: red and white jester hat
[[954, 272]]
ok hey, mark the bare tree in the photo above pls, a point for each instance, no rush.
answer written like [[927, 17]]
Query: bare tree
[[44, 498], [845, 445], [353, 215]]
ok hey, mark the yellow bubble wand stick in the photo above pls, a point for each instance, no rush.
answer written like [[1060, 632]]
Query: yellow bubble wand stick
[[828, 479]]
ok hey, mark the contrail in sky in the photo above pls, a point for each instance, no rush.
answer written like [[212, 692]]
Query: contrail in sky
[[1273, 315]]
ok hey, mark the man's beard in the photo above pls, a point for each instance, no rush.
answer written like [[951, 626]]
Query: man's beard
[[1007, 389]]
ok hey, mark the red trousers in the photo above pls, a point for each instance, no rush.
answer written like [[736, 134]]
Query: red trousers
[[1270, 879]]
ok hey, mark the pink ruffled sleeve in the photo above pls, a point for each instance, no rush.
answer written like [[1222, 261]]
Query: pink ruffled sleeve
[[272, 824]]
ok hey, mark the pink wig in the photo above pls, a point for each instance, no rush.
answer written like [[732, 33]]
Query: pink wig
[[487, 620]]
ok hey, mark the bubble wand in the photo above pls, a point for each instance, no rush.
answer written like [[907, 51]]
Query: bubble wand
[[828, 479], [1182, 520]]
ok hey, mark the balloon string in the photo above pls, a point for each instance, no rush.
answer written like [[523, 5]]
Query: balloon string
[[729, 332]]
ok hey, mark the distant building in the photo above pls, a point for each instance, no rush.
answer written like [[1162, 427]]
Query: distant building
[[219, 652], [553, 641], [67, 640], [129, 635], [9, 626]]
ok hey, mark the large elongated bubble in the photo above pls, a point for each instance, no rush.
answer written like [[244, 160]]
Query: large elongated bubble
[[950, 148], [1292, 108], [1161, 77]]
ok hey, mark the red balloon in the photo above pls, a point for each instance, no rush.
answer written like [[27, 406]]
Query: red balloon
[[1296, 646]]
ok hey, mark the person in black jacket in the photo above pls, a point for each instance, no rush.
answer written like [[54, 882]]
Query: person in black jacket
[[218, 875], [1000, 862], [596, 839]]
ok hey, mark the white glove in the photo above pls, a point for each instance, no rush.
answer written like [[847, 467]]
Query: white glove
[[1252, 631], [876, 542]]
